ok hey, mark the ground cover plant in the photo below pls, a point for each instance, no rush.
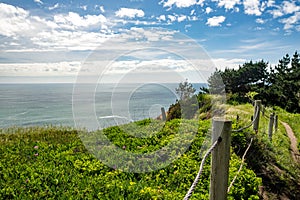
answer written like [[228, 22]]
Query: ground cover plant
[[52, 162]]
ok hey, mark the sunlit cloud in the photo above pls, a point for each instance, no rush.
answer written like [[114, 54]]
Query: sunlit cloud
[[130, 13], [215, 21]]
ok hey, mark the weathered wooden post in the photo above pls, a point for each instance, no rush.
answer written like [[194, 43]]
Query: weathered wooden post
[[276, 122], [256, 115], [263, 110], [271, 123], [220, 159], [163, 114]]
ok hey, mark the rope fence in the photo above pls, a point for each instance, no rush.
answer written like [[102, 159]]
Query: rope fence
[[245, 127], [219, 188], [193, 186], [241, 166]]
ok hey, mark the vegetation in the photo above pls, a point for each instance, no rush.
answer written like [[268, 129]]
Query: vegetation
[[292, 120], [271, 160], [276, 86], [52, 162], [185, 90]]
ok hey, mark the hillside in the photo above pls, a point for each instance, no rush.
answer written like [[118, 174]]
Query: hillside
[[52, 162], [271, 160]]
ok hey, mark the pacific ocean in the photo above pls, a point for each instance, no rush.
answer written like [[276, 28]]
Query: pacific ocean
[[51, 103]]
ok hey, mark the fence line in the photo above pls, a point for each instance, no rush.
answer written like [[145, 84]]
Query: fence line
[[193, 186], [241, 166], [219, 168], [245, 127]]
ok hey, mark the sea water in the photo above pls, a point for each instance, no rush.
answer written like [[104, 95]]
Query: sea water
[[51, 104]]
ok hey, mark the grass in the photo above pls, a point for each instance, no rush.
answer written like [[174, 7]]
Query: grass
[[271, 160], [52, 162], [293, 120]]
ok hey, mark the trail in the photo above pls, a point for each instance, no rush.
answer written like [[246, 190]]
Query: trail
[[294, 149]]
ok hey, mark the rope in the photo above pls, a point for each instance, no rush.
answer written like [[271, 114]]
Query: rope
[[241, 166], [193, 186], [240, 129], [267, 117]]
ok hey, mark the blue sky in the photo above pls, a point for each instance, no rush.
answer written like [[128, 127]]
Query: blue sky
[[51, 38]]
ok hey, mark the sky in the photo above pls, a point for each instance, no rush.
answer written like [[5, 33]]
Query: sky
[[46, 38]]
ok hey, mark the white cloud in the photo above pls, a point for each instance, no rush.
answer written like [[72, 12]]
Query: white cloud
[[276, 13], [228, 4], [162, 18], [40, 69], [182, 3], [74, 21], [270, 3], [285, 8], [171, 18], [61, 32], [54, 6], [181, 18], [149, 35], [13, 20], [148, 66], [252, 7], [290, 7], [208, 10], [102, 9], [193, 18], [260, 21], [68, 40], [38, 1], [215, 21], [290, 21], [129, 12], [222, 63], [84, 7]]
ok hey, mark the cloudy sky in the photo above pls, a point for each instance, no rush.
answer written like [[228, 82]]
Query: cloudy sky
[[41, 38]]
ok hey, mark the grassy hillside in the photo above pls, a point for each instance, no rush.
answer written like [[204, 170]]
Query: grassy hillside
[[52, 162], [271, 160]]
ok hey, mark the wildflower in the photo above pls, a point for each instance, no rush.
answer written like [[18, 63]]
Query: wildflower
[[132, 183], [36, 147], [36, 154], [27, 180], [124, 147]]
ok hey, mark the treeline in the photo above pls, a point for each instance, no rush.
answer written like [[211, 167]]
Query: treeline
[[275, 86]]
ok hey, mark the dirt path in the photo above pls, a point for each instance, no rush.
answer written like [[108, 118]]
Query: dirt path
[[294, 150]]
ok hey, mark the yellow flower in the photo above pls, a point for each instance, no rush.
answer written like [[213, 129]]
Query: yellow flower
[[132, 183]]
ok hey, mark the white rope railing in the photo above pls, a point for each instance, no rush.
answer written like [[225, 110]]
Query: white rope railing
[[193, 186], [241, 166], [245, 127]]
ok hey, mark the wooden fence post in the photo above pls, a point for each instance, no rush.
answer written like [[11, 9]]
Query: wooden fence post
[[220, 159], [163, 114], [256, 113], [271, 123], [263, 110], [276, 122]]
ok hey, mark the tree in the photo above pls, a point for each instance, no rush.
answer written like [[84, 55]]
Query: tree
[[215, 82], [280, 86], [185, 90], [187, 105], [238, 82]]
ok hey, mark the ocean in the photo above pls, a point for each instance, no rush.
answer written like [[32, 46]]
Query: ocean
[[51, 103]]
